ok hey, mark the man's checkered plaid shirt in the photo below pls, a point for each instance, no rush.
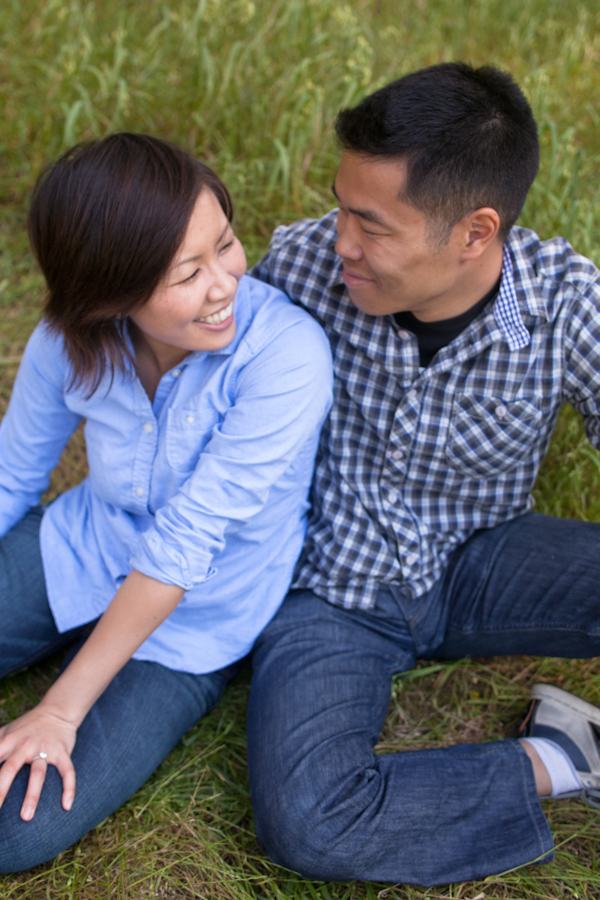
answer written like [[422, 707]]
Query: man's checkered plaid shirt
[[413, 460]]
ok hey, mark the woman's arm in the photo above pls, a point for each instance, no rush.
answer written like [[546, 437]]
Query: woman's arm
[[36, 427], [138, 607]]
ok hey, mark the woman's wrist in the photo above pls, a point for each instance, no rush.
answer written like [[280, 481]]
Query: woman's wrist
[[139, 605], [69, 706]]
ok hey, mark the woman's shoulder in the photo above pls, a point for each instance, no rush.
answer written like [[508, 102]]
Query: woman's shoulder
[[271, 313], [45, 352]]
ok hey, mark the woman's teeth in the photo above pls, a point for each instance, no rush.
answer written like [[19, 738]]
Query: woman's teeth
[[219, 317]]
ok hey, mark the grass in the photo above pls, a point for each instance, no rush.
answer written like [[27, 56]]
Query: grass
[[252, 87]]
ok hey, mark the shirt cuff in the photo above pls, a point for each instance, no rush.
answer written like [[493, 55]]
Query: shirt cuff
[[12, 510], [168, 565]]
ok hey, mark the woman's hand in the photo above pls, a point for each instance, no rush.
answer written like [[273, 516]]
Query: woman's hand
[[40, 737], [138, 607]]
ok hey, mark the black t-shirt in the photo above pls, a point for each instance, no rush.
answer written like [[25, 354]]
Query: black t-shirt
[[432, 336]]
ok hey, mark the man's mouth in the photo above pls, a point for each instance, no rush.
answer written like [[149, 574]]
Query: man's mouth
[[218, 317], [352, 279]]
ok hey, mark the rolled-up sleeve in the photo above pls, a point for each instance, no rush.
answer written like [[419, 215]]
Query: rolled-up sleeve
[[582, 361], [35, 429], [283, 394]]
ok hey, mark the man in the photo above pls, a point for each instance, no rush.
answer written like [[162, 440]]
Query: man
[[456, 339]]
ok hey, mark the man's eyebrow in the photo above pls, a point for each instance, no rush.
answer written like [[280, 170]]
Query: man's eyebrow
[[367, 214], [200, 255]]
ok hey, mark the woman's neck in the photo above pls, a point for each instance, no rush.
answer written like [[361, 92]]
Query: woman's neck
[[153, 358]]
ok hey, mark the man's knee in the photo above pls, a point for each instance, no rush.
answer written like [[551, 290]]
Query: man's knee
[[315, 824], [298, 839]]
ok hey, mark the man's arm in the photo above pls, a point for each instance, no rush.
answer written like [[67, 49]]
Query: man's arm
[[582, 362]]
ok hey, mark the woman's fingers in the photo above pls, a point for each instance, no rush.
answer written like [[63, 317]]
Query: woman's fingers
[[37, 776], [13, 764], [34, 789], [40, 738], [67, 772]]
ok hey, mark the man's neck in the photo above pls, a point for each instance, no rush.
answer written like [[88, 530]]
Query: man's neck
[[470, 286]]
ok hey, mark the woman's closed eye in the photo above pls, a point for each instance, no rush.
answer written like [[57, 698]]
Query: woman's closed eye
[[190, 277]]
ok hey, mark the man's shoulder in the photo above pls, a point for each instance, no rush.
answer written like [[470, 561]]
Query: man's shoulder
[[306, 235], [553, 263]]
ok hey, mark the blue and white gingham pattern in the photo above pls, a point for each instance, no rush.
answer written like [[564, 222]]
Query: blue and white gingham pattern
[[507, 310], [413, 460]]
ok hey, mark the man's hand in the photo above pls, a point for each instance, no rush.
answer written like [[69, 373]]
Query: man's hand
[[41, 737]]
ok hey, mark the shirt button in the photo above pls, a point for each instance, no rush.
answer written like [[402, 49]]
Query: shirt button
[[176, 373], [393, 496], [501, 411], [397, 454], [403, 335], [148, 428], [139, 491], [190, 420], [412, 396]]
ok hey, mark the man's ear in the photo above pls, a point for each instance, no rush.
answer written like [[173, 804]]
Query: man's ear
[[479, 229]]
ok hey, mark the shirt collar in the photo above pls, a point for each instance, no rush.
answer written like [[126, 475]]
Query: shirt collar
[[506, 308], [519, 293], [513, 296]]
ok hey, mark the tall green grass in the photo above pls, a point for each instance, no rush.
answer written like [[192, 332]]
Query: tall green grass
[[252, 87]]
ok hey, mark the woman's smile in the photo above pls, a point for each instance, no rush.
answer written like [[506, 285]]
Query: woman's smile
[[220, 319]]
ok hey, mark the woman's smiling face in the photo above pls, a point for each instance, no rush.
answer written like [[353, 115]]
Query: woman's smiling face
[[193, 307]]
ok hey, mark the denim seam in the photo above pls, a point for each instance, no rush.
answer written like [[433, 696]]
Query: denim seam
[[533, 814], [515, 626]]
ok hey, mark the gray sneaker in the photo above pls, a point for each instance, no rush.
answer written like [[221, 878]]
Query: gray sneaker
[[574, 725]]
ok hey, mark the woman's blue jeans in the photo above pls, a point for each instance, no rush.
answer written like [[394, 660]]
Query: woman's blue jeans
[[139, 718], [324, 804]]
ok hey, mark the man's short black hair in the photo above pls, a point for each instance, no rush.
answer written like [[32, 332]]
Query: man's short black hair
[[467, 136]]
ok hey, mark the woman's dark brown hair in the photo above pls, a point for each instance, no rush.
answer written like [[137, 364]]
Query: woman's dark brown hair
[[105, 223]]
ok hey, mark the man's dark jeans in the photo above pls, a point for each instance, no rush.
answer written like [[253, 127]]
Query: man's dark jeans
[[325, 805]]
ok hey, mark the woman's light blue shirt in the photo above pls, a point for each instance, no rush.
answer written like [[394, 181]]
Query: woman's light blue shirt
[[205, 488]]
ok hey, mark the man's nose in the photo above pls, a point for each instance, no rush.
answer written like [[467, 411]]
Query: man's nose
[[348, 245]]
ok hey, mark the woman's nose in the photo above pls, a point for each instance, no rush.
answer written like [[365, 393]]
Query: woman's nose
[[224, 284]]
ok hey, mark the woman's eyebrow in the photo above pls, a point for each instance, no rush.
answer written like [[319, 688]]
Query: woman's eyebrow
[[200, 255]]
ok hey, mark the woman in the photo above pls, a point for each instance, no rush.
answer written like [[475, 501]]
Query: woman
[[203, 392]]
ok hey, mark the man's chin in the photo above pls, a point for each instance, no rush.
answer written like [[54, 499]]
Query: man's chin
[[370, 307]]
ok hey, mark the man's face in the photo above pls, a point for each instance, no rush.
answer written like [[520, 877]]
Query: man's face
[[391, 263]]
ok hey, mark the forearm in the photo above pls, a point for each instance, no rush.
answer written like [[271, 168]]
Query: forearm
[[138, 607]]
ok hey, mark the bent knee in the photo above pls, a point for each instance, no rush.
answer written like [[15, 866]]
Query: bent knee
[[318, 840], [292, 840]]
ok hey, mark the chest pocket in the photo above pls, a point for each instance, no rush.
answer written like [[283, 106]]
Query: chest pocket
[[188, 433], [488, 436]]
